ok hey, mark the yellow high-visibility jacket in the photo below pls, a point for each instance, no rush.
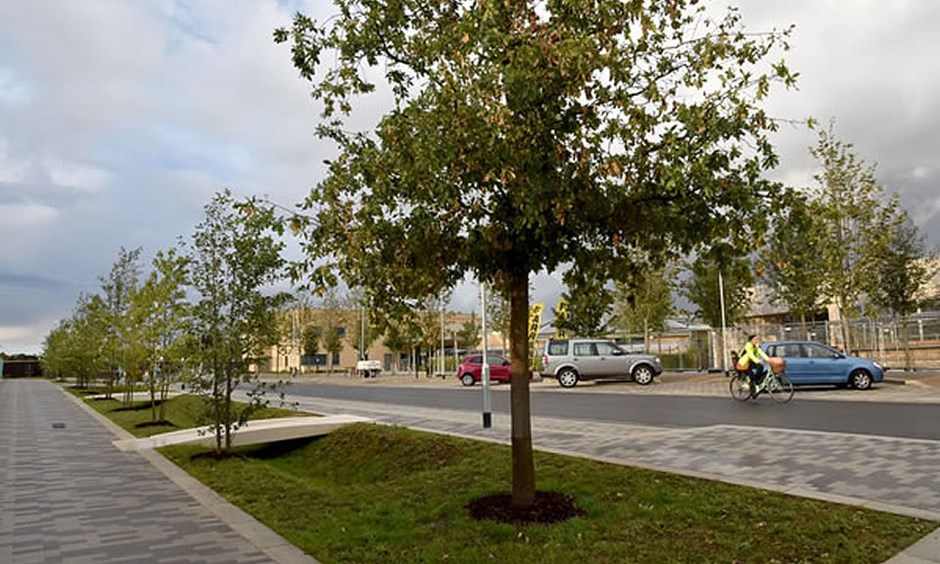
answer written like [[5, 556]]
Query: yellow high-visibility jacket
[[752, 353]]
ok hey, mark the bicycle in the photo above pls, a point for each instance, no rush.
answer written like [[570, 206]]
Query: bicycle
[[776, 384]]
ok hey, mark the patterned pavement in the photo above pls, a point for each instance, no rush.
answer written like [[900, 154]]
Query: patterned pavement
[[68, 495]]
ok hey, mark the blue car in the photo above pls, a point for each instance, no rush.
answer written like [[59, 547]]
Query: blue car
[[809, 362]]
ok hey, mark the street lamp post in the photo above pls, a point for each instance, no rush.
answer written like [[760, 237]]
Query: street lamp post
[[485, 367], [724, 334]]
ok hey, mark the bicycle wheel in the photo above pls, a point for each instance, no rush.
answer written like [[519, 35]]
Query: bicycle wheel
[[740, 387], [780, 388]]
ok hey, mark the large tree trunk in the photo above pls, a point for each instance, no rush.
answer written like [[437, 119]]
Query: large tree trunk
[[523, 463]]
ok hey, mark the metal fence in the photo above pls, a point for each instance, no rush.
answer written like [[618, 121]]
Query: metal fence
[[910, 345]]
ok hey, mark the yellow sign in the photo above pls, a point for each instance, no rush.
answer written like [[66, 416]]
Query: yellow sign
[[535, 322], [561, 312]]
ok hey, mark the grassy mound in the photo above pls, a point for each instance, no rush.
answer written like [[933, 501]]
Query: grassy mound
[[371, 493]]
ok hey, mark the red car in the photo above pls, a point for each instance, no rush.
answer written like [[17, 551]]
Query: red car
[[471, 369]]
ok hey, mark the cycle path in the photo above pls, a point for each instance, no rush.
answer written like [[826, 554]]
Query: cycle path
[[67, 494]]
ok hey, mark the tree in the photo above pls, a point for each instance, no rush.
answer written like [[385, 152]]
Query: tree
[[702, 288], [117, 288], [362, 332], [644, 302], [403, 335], [903, 271], [75, 345], [853, 214], [793, 264], [161, 314], [311, 340], [233, 257], [588, 308], [558, 134], [468, 336], [331, 319]]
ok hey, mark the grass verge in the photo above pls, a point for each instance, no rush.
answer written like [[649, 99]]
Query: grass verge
[[371, 493], [182, 412]]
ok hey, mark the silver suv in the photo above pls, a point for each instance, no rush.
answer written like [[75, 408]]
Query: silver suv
[[573, 360]]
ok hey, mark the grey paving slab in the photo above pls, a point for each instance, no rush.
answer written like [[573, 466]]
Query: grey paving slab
[[67, 494]]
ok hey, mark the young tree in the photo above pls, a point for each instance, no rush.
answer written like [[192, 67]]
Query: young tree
[[703, 289], [160, 312], [311, 339], [233, 257], [644, 302], [403, 335], [75, 346], [793, 263], [117, 288], [331, 319], [853, 213], [362, 332], [468, 336], [527, 135], [903, 271], [589, 303]]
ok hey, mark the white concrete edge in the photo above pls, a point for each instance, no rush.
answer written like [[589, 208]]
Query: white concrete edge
[[252, 432]]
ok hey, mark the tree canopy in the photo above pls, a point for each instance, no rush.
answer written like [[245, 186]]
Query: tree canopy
[[531, 135]]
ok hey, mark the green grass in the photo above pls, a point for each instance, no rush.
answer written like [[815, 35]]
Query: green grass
[[182, 412], [369, 493]]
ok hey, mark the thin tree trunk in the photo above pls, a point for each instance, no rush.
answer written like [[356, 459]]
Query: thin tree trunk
[[908, 361], [523, 462]]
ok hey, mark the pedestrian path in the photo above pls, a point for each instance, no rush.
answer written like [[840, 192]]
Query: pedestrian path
[[67, 494]]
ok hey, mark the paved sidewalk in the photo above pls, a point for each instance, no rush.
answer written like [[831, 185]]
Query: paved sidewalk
[[67, 494]]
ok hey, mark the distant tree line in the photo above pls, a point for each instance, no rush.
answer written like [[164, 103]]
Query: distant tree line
[[845, 241]]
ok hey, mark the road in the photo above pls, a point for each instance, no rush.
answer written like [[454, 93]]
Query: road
[[891, 418]]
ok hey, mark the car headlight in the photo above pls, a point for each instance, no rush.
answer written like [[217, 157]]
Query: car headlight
[[878, 366]]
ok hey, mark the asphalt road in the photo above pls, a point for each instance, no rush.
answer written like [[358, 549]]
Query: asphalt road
[[891, 419]]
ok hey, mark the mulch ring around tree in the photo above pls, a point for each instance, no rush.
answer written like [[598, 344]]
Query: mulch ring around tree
[[549, 507]]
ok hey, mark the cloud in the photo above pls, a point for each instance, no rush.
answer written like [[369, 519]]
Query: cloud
[[920, 173], [120, 118], [11, 170], [24, 216], [14, 92], [72, 175]]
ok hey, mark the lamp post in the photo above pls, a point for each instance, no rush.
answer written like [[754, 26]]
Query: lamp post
[[441, 363], [724, 333], [485, 367]]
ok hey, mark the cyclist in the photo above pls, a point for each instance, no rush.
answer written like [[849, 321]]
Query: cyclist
[[756, 360]]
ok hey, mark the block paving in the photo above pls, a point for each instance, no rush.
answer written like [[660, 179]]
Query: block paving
[[69, 495]]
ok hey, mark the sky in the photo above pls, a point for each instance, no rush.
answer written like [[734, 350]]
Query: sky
[[119, 119]]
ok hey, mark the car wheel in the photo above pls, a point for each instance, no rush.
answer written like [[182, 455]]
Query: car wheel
[[568, 378], [467, 379], [860, 379], [642, 374]]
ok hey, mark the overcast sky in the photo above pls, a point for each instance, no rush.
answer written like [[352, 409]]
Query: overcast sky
[[120, 118]]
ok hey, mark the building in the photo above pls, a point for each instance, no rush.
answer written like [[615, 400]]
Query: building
[[339, 336]]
